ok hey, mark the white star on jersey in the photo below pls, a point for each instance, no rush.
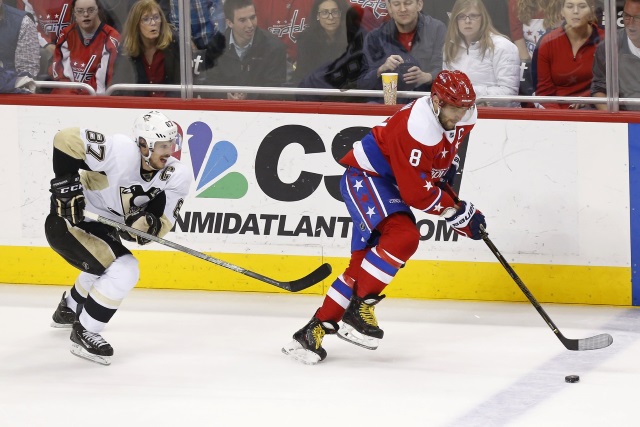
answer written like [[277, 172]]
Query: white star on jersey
[[428, 185], [371, 211], [357, 185]]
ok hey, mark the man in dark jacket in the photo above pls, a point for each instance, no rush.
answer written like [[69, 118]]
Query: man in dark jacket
[[410, 45], [252, 56]]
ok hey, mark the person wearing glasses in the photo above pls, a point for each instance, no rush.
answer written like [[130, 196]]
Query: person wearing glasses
[[563, 59], [331, 50], [149, 52], [475, 47], [324, 39], [86, 50], [628, 59], [410, 44]]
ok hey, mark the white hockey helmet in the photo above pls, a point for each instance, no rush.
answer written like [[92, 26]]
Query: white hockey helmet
[[154, 126]]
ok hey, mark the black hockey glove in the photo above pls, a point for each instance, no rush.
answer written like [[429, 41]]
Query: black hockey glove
[[67, 199], [143, 221]]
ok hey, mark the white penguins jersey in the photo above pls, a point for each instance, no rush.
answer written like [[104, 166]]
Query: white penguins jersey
[[116, 185]]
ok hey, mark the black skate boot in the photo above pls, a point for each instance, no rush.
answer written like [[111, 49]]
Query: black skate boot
[[90, 345], [63, 317], [359, 324], [306, 346]]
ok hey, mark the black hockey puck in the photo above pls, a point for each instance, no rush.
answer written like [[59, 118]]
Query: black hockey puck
[[572, 378]]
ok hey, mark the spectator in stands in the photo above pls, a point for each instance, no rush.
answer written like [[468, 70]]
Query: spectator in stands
[[86, 50], [340, 67], [251, 57], [529, 23], [19, 51], [498, 11], [205, 15], [52, 16], [564, 58], [410, 44], [149, 52], [476, 48], [286, 20], [374, 13], [628, 59], [324, 39]]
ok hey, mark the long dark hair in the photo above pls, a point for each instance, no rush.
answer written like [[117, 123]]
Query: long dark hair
[[314, 23]]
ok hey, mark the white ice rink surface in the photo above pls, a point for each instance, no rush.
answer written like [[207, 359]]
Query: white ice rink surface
[[187, 358]]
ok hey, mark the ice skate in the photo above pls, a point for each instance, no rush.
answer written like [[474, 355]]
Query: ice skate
[[306, 346], [90, 345], [359, 324], [63, 317]]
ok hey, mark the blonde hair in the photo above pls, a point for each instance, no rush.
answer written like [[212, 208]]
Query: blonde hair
[[551, 9], [454, 36], [131, 38]]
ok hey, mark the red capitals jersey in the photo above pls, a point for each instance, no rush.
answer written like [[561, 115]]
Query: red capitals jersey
[[413, 150], [87, 61], [374, 12], [285, 19], [53, 16]]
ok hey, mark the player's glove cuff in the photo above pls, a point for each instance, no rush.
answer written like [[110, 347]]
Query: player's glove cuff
[[67, 198]]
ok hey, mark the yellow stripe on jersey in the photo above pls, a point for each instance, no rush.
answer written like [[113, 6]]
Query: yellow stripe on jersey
[[69, 142]]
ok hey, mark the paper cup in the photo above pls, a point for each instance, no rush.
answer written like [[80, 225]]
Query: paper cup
[[390, 87]]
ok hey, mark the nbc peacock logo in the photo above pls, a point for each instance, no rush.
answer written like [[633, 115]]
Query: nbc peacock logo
[[210, 163]]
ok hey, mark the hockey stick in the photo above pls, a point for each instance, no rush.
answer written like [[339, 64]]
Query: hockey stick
[[305, 282], [592, 343]]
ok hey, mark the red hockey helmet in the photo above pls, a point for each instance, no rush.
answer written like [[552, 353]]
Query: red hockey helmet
[[454, 87]]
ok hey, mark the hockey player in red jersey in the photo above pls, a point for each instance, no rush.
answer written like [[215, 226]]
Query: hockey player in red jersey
[[399, 165], [132, 180]]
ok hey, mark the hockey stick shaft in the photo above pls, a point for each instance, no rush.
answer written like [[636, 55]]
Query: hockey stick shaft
[[591, 343], [314, 277]]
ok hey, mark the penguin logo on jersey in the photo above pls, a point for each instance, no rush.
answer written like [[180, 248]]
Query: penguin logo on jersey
[[134, 198]]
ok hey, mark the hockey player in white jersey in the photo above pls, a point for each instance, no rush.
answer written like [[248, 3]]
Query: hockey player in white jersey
[[135, 181]]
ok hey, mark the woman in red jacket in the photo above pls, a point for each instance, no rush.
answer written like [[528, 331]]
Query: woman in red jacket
[[564, 57]]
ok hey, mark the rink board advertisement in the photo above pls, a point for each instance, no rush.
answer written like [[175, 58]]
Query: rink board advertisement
[[265, 196]]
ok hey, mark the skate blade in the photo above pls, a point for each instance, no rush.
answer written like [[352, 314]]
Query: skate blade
[[61, 325], [295, 351], [349, 334], [79, 351]]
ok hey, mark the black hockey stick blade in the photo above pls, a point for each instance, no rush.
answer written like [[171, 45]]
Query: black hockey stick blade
[[317, 275], [297, 285]]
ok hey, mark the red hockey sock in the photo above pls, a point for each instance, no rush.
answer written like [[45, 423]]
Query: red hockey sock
[[337, 299]]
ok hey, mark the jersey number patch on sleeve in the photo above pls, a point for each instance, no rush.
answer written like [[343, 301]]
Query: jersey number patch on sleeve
[[95, 138]]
